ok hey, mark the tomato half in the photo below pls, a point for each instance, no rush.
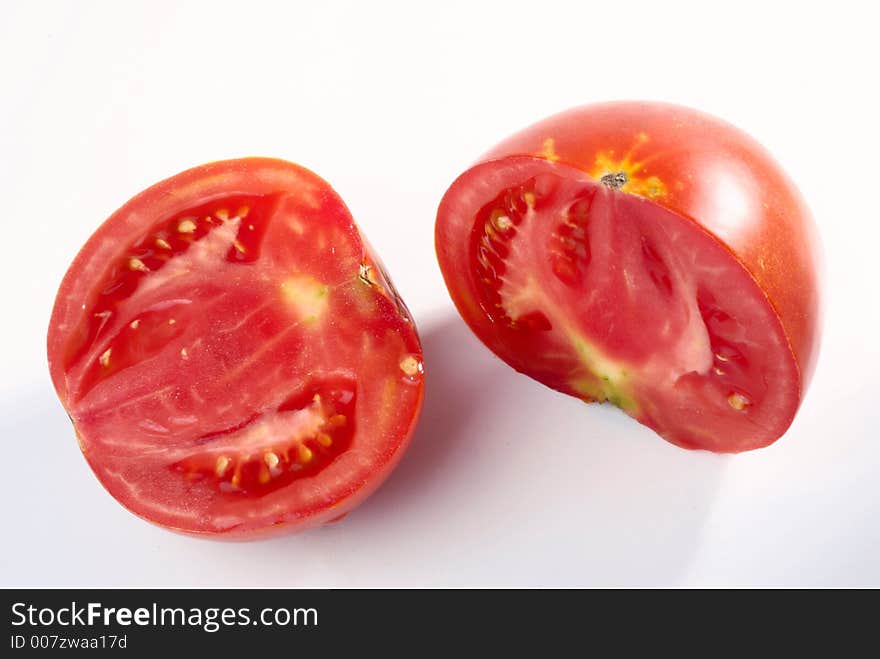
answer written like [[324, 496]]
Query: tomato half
[[647, 255], [233, 356]]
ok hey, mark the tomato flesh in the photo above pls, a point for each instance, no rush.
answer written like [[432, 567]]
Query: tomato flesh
[[227, 367], [609, 297]]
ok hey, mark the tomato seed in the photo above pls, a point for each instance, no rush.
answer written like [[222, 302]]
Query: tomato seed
[[500, 221], [186, 226], [411, 366], [137, 264], [738, 401]]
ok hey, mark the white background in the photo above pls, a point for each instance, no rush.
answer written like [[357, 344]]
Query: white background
[[507, 483]]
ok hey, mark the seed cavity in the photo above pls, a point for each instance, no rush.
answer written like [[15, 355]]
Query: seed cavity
[[496, 227], [305, 433]]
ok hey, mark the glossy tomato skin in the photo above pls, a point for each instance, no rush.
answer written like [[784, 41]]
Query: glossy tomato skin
[[712, 173], [368, 305], [693, 187]]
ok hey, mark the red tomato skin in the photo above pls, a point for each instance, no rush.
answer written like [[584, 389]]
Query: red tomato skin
[[255, 176], [713, 174]]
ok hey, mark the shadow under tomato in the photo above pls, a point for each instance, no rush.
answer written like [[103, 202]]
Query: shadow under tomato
[[508, 482], [505, 483], [459, 375]]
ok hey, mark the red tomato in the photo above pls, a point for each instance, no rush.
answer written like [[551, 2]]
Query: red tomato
[[647, 255], [232, 355]]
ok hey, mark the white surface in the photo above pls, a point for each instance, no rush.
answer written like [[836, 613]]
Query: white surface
[[507, 483]]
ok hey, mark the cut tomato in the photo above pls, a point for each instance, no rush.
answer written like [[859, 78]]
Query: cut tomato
[[588, 273], [233, 356]]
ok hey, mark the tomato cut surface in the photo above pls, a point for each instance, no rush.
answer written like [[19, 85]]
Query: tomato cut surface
[[233, 357], [575, 274]]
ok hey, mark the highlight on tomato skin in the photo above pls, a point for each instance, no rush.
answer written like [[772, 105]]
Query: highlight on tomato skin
[[647, 255], [234, 358]]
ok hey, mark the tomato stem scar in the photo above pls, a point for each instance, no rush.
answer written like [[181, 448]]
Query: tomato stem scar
[[615, 180]]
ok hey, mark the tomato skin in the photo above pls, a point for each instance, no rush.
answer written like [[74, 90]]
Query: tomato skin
[[337, 487], [715, 175], [706, 180]]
